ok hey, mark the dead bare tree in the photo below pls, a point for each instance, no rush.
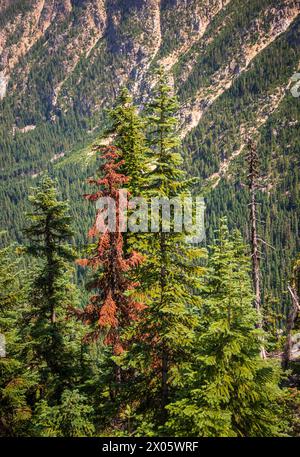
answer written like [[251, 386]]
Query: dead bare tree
[[253, 175]]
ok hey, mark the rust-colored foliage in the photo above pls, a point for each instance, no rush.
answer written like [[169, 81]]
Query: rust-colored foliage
[[110, 309]]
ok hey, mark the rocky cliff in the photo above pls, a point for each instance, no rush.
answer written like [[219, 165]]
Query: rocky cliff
[[232, 64]]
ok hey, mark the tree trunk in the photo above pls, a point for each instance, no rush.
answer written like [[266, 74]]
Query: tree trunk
[[253, 173], [164, 355], [164, 384], [50, 285], [293, 313], [255, 258]]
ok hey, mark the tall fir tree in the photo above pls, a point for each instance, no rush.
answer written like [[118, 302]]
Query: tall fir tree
[[15, 380], [52, 339], [170, 274], [229, 391], [110, 309], [128, 129]]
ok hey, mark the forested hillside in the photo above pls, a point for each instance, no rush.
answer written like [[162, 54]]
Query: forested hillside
[[231, 63], [76, 76]]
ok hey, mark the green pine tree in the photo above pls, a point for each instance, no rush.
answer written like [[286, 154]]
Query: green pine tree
[[71, 418], [15, 380], [53, 341], [169, 278], [229, 391], [128, 129]]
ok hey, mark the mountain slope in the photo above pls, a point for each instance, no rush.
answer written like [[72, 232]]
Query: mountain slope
[[231, 62]]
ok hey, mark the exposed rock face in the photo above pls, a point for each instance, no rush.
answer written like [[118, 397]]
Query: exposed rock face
[[23, 30], [278, 21], [233, 64], [138, 33], [3, 84], [195, 17], [83, 51], [295, 353], [4, 4]]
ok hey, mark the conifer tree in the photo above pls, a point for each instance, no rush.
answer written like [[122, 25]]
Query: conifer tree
[[15, 380], [128, 129], [111, 308], [51, 291], [70, 418], [170, 274], [252, 159], [229, 391]]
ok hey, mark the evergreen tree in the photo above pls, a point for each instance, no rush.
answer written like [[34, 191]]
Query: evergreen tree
[[170, 274], [253, 177], [128, 129], [52, 340], [15, 381], [111, 308], [71, 418], [229, 391]]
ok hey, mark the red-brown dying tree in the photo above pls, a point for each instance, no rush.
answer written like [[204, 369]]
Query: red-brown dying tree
[[110, 309]]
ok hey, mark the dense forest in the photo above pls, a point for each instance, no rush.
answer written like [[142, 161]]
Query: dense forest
[[151, 330], [237, 73], [142, 333]]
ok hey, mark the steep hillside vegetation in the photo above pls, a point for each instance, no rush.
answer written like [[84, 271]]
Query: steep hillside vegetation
[[231, 61]]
